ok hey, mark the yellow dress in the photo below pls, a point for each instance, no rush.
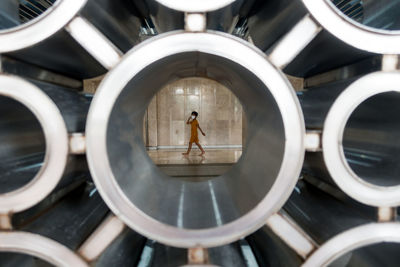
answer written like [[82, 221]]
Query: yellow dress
[[194, 137]]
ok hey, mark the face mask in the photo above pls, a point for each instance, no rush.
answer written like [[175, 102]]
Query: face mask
[[193, 117]]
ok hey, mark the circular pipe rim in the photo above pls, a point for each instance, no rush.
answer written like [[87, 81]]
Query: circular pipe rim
[[352, 239], [56, 140], [155, 49], [41, 247], [40, 28], [195, 5], [353, 33], [332, 140]]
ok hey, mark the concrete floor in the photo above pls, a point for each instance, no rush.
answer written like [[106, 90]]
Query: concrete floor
[[195, 168], [212, 156]]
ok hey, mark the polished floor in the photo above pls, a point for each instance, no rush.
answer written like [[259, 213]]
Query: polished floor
[[212, 156]]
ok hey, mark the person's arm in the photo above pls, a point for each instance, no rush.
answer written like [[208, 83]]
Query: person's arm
[[188, 120], [198, 126]]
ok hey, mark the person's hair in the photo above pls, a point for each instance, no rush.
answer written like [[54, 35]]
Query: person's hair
[[195, 113]]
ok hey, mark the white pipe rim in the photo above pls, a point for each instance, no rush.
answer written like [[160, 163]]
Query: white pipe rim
[[40, 28], [219, 44], [41, 247], [56, 139], [351, 32], [352, 239], [195, 5], [332, 140]]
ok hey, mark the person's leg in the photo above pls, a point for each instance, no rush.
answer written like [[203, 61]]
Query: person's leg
[[202, 150], [188, 150]]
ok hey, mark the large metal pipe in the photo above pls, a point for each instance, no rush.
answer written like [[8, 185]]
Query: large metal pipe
[[44, 41], [359, 136], [233, 204], [69, 222], [38, 246], [271, 20], [375, 244], [381, 18], [35, 126], [359, 139], [48, 131]]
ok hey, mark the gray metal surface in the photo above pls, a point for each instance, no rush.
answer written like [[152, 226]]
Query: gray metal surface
[[29, 71], [23, 145], [72, 104], [324, 53], [65, 187], [321, 215], [270, 250], [9, 14], [124, 251], [358, 68], [316, 101]]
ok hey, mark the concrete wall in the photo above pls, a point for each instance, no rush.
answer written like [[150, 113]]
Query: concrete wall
[[220, 114]]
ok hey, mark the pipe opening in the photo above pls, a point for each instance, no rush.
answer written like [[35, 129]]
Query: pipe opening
[[204, 204], [370, 139], [22, 149], [169, 129], [14, 13], [9, 259], [377, 14], [380, 254]]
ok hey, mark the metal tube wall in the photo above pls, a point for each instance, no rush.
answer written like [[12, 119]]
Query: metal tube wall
[[183, 55]]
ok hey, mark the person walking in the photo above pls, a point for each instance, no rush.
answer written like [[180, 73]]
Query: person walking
[[194, 137]]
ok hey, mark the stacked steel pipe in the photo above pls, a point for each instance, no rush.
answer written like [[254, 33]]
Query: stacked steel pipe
[[317, 181]]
